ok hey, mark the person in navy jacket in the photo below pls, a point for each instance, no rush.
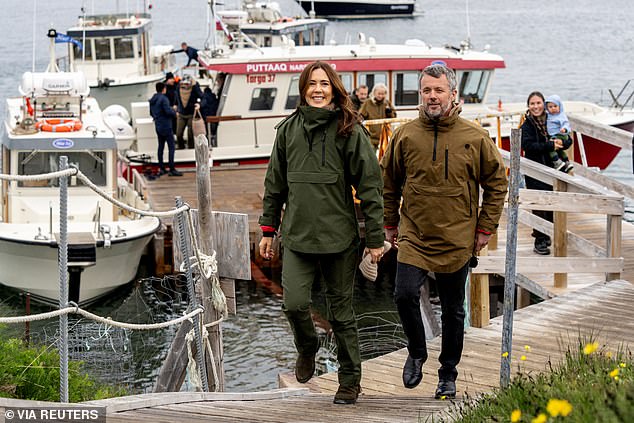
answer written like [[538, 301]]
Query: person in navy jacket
[[191, 52], [163, 113]]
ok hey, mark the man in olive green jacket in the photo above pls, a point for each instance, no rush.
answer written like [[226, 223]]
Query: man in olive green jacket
[[437, 164]]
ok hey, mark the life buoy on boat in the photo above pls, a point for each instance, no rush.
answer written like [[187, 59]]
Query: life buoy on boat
[[59, 125]]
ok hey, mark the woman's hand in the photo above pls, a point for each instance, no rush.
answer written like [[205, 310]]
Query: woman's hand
[[376, 254], [265, 247]]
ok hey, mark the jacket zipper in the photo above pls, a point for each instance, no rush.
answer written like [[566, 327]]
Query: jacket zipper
[[470, 205], [323, 147], [435, 141], [446, 161]]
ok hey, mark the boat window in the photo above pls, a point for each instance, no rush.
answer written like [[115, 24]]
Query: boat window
[[91, 163], [406, 88], [263, 98], [268, 41], [473, 85], [78, 53], [346, 78], [292, 101], [319, 36], [102, 49], [124, 48], [370, 79]]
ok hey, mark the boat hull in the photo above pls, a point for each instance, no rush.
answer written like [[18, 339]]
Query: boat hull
[[124, 94], [353, 9], [33, 268]]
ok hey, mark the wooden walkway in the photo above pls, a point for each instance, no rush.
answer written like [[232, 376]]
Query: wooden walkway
[[549, 328]]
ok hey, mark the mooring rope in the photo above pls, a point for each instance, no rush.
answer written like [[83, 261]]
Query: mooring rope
[[105, 320]]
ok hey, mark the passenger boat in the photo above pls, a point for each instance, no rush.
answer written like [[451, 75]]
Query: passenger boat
[[263, 24], [118, 57], [354, 9], [55, 116], [257, 88]]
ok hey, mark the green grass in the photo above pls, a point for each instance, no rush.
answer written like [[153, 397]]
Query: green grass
[[32, 373], [588, 382]]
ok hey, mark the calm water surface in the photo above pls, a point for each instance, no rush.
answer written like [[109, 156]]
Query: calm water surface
[[576, 49]]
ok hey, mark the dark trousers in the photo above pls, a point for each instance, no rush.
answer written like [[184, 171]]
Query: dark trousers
[[184, 121], [531, 183], [338, 270], [167, 137], [451, 289]]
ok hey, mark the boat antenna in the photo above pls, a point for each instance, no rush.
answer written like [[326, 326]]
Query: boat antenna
[[211, 13], [34, 31], [52, 64], [468, 22], [83, 31]]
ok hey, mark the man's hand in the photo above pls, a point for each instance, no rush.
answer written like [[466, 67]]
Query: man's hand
[[196, 106], [391, 236], [265, 247], [481, 240]]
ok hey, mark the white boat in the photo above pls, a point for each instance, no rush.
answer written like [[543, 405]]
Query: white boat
[[53, 117], [118, 57], [355, 9], [263, 24]]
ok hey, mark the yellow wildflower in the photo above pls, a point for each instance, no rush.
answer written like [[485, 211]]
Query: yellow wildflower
[[516, 415], [527, 348], [608, 354], [622, 365], [541, 418], [590, 348], [443, 397], [505, 354], [614, 373], [558, 407], [616, 378], [523, 358]]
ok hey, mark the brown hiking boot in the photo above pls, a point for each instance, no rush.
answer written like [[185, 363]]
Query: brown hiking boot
[[347, 394], [304, 367]]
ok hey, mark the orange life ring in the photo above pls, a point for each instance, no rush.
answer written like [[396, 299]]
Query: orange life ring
[[59, 125]]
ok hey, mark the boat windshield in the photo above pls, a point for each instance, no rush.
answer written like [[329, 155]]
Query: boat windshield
[[473, 85], [91, 163]]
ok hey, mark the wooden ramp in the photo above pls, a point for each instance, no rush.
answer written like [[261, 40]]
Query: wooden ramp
[[549, 328]]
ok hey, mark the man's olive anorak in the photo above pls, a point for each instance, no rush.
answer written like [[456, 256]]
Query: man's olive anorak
[[438, 167]]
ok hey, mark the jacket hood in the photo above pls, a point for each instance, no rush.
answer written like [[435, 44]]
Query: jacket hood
[[443, 121], [554, 99], [314, 117], [155, 98]]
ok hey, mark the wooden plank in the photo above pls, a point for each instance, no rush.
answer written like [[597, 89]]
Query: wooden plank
[[600, 131], [571, 202], [231, 244], [624, 189], [533, 287], [495, 264]]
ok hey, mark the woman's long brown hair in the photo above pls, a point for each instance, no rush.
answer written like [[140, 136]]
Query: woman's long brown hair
[[348, 117]]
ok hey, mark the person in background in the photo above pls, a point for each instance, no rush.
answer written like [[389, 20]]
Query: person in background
[[377, 107], [359, 96], [162, 114], [320, 152], [170, 87], [558, 126], [209, 107], [188, 94], [437, 165], [191, 52], [538, 146]]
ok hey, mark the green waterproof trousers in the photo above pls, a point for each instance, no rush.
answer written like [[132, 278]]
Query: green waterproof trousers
[[298, 274]]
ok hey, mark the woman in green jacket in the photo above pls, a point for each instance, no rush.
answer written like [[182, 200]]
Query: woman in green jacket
[[320, 151]]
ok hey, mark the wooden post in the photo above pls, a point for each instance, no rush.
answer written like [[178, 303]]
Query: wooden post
[[205, 239], [480, 306], [560, 239], [613, 242]]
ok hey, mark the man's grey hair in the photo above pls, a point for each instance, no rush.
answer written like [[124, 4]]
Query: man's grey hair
[[438, 70]]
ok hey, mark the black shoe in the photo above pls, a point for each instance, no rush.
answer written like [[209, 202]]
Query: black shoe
[[412, 372], [174, 172], [162, 172], [548, 242], [569, 167], [541, 249], [347, 394], [446, 389], [304, 367]]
